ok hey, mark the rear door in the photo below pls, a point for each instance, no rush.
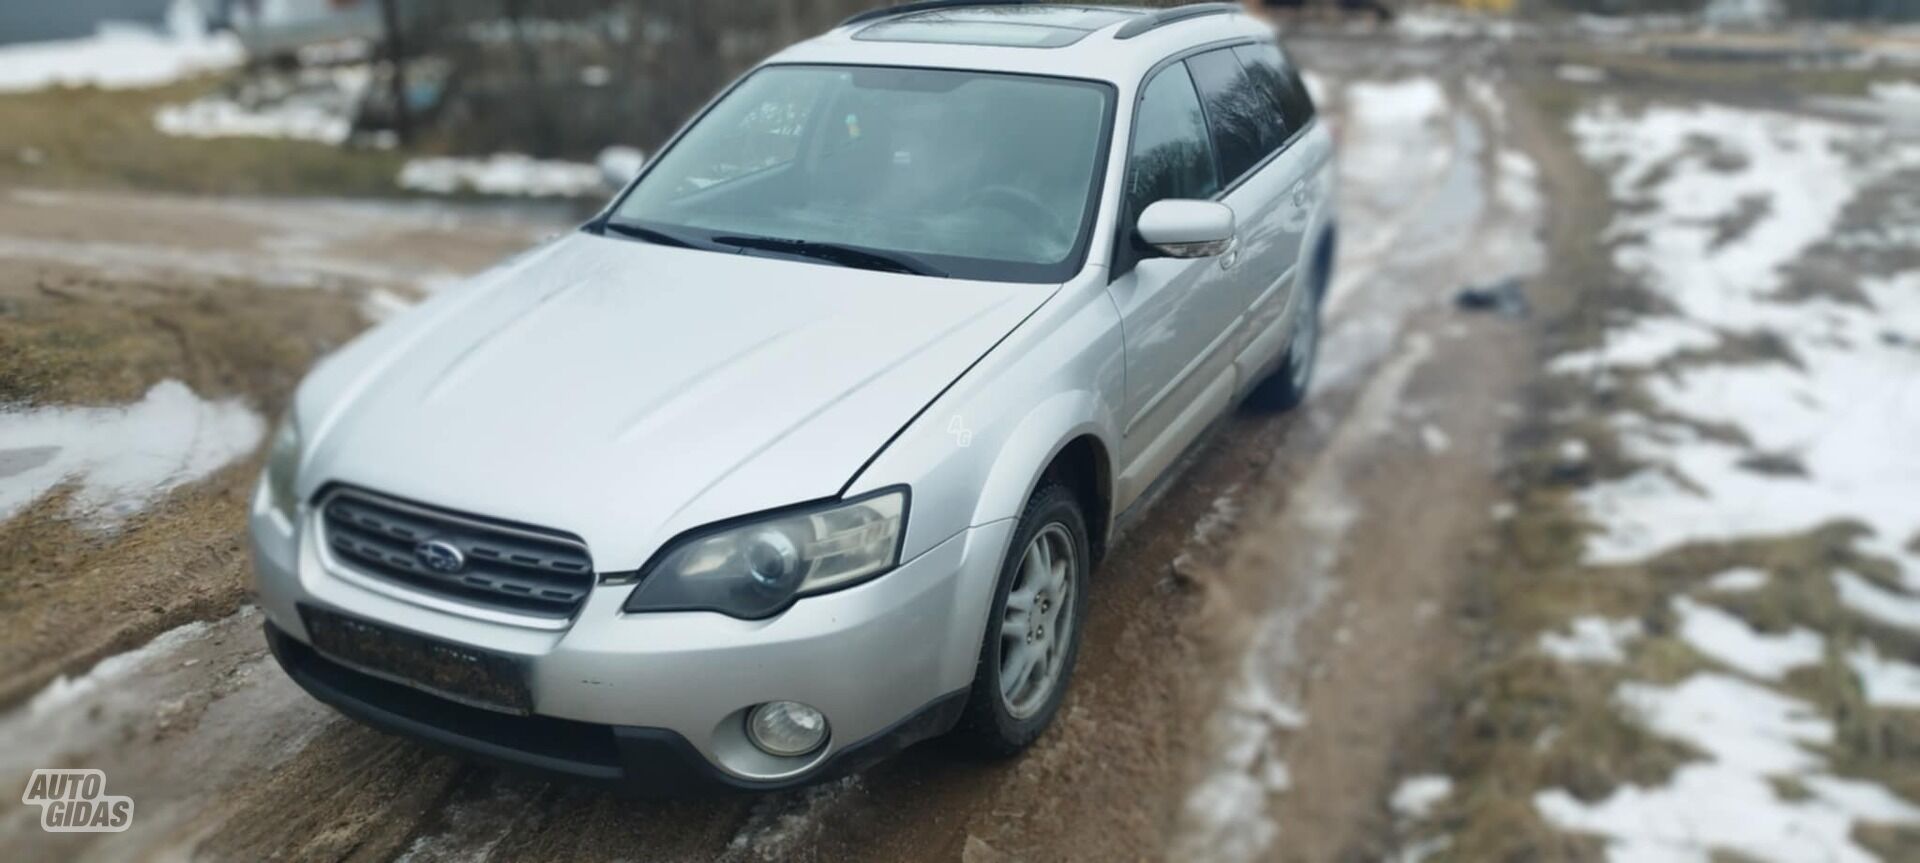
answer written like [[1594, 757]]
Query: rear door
[[1180, 317], [1249, 106]]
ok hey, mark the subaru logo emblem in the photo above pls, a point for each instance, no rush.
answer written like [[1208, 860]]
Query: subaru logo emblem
[[439, 555]]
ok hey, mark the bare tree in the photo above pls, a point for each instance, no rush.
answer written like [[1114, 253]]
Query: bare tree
[[397, 58], [544, 137]]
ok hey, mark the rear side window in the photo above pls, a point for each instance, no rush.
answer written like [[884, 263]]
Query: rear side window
[[1268, 77], [1243, 116], [1170, 157], [1272, 71]]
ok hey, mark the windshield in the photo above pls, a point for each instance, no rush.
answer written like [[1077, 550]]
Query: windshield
[[970, 174]]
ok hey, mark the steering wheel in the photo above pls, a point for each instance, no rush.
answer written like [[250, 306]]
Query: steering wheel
[[1017, 201]]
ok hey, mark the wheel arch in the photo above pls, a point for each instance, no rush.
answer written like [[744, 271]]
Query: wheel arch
[[1062, 440], [1085, 467]]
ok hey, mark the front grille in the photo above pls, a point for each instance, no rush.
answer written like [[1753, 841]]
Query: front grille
[[522, 570]]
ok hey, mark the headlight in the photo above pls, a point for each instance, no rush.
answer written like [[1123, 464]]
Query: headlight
[[756, 568], [283, 468]]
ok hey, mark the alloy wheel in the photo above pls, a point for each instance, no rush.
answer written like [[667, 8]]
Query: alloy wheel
[[1036, 624]]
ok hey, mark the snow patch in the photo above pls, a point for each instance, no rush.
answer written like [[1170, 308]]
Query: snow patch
[[1709, 808], [122, 56], [120, 459], [1730, 641], [1429, 23], [318, 106], [1898, 92], [501, 174], [1729, 803], [1517, 182], [1218, 520], [1574, 73], [1876, 603], [1592, 639], [1407, 102], [619, 165], [1646, 342], [64, 691], [1738, 580], [219, 117], [1886, 682], [1418, 796]]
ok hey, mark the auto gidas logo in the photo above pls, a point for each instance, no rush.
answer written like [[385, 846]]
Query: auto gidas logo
[[75, 801]]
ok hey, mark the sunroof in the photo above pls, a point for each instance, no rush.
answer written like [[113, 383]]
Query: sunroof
[[1000, 26]]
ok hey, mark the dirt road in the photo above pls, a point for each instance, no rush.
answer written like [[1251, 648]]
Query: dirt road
[[1261, 649]]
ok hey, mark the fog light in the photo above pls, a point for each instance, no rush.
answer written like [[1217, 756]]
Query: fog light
[[786, 728]]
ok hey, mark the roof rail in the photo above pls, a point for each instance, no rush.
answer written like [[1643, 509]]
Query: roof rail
[[926, 6], [1157, 20]]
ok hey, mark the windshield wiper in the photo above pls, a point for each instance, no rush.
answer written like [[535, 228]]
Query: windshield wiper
[[848, 256], [651, 235]]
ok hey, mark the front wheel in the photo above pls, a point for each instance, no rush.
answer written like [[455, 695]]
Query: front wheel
[[1033, 632]]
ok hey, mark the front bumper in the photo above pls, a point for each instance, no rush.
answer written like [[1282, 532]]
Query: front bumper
[[656, 702], [631, 759]]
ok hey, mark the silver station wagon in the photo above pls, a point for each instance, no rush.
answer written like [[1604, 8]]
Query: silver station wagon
[[805, 448]]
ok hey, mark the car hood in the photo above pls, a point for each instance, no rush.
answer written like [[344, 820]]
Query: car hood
[[627, 392]]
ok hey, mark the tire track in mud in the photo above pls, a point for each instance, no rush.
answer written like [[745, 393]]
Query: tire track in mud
[[1336, 655]]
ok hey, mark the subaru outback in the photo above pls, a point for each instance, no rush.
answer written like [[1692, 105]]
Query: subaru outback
[[805, 448]]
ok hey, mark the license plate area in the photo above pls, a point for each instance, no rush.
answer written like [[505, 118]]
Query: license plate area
[[458, 673]]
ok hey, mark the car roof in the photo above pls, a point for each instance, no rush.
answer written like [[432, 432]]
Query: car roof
[[1066, 40]]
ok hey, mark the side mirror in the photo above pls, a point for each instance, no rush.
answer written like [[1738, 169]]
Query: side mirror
[[1187, 229]]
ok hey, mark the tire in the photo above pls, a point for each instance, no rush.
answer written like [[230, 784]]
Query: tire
[[1287, 387], [998, 723]]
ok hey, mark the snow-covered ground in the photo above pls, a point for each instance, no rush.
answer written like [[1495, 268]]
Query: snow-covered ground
[[1716, 206], [1842, 401], [1729, 802], [120, 459], [122, 56]]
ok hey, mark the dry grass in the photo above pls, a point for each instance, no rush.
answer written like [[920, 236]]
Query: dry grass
[[93, 138], [82, 339]]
